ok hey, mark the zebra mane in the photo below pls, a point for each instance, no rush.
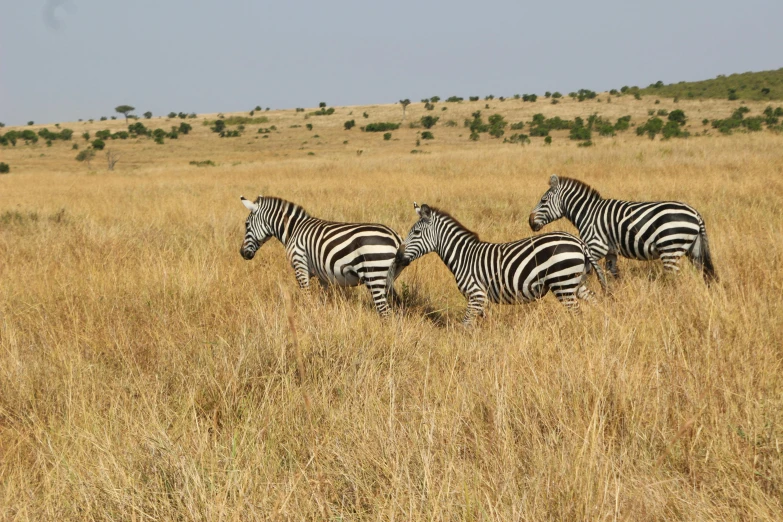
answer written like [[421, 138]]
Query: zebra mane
[[280, 202], [451, 219], [591, 192]]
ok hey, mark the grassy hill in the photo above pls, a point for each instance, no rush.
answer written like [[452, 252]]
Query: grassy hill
[[148, 372], [762, 85]]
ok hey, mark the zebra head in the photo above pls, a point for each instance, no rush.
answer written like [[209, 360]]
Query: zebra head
[[549, 208], [258, 230], [421, 238]]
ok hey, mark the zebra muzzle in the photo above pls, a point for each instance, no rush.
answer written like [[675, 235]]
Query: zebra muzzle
[[533, 225]]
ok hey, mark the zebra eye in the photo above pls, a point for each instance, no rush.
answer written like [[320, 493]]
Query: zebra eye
[[417, 232]]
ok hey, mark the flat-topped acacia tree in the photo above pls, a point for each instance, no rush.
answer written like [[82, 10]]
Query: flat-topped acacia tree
[[124, 110]]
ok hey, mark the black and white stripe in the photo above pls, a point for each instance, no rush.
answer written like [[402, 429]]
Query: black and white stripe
[[644, 231], [342, 254], [505, 273]]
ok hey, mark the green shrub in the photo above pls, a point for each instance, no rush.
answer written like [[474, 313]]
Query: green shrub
[[184, 128], [203, 163], [435, 99], [518, 126], [517, 138], [454, 99], [309, 126], [585, 94], [387, 136], [172, 115], [428, 106], [623, 123], [637, 96], [138, 129], [529, 97], [548, 140], [733, 95], [28, 136], [614, 92], [123, 135], [220, 126], [678, 116], [323, 111], [473, 98], [300, 109], [427, 135], [381, 127], [349, 124], [148, 115], [103, 134], [103, 118], [705, 121], [4, 168], [75, 146], [663, 112], [450, 123], [672, 129], [586, 143], [556, 95], [86, 136], [428, 121], [547, 94], [580, 133], [474, 136], [98, 144], [85, 155], [651, 128]]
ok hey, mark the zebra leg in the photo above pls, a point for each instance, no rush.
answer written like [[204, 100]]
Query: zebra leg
[[611, 264], [302, 273], [476, 302], [671, 259], [585, 294], [567, 295], [378, 292]]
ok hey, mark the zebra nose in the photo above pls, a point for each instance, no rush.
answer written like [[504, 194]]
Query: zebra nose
[[533, 225], [246, 254]]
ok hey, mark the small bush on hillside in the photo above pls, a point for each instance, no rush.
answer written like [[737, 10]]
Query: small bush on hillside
[[381, 127], [28, 136], [309, 126], [473, 98], [4, 168], [450, 123], [172, 115], [138, 129], [547, 94], [454, 99], [349, 124], [387, 136], [580, 133], [529, 98], [672, 129], [103, 118], [678, 116], [733, 95], [203, 163], [148, 115], [300, 109], [652, 127], [103, 134], [663, 112], [219, 126], [518, 126], [98, 144], [586, 143], [427, 135], [323, 111], [517, 138], [86, 136], [365, 115], [184, 128], [428, 121], [122, 135], [428, 106], [75, 146], [548, 140], [623, 123]]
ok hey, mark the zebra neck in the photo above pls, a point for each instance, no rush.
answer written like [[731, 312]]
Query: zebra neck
[[288, 220], [579, 210], [452, 247]]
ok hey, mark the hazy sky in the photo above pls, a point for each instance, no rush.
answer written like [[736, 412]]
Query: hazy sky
[[61, 60]]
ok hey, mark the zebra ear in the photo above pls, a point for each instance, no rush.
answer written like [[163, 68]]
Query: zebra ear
[[252, 207], [425, 211], [554, 181], [417, 208]]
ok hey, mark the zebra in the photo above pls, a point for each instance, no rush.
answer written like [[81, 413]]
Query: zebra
[[505, 273], [342, 254], [636, 230]]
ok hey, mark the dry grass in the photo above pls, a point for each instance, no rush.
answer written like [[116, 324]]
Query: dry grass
[[148, 372]]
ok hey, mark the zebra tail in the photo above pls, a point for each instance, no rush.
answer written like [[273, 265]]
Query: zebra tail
[[599, 272], [705, 257], [394, 270]]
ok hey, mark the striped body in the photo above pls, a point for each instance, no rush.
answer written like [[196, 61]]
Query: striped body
[[504, 273], [342, 254], [636, 230]]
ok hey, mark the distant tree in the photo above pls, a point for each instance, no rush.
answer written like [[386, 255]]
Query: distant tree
[[404, 104], [124, 110], [349, 124], [31, 122], [435, 99], [86, 156], [98, 144], [111, 159], [322, 105], [2, 124], [86, 136], [148, 115], [4, 168]]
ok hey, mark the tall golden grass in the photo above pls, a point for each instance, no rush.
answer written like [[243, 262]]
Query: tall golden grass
[[148, 372]]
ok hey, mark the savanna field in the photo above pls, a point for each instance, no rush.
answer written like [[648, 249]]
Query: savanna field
[[148, 372]]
